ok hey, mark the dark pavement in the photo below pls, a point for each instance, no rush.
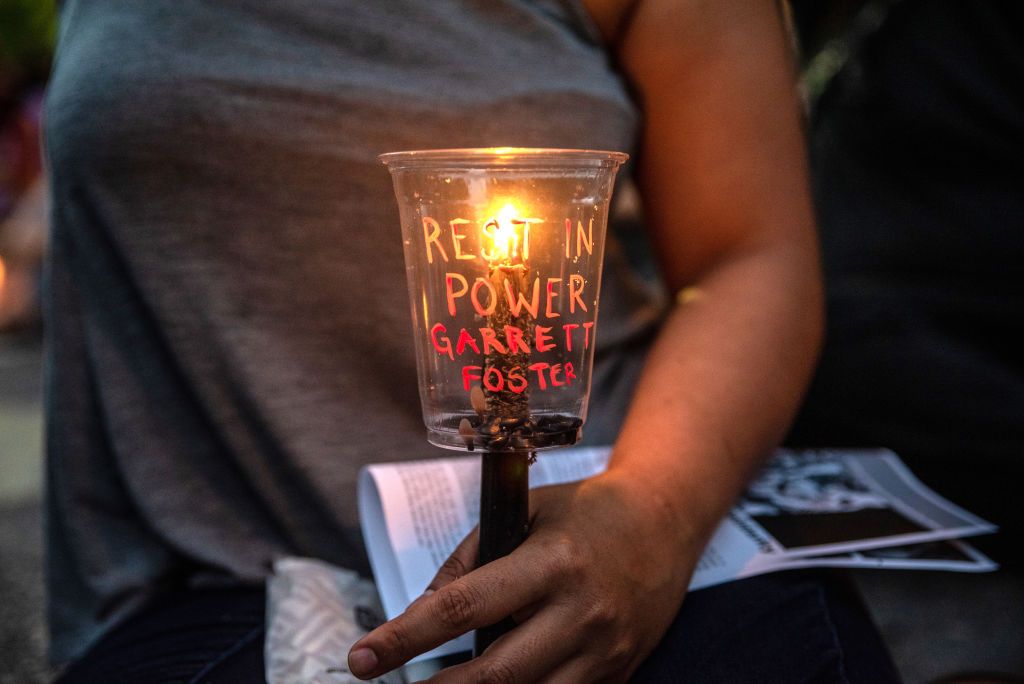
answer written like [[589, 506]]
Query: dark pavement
[[22, 627]]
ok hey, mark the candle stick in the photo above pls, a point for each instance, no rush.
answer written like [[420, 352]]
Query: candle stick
[[508, 273]]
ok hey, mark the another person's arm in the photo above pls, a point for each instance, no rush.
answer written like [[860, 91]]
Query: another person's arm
[[723, 176]]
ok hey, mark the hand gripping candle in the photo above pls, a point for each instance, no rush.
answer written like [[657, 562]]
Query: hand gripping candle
[[503, 250]]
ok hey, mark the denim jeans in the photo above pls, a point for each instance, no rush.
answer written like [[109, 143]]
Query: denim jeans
[[787, 627]]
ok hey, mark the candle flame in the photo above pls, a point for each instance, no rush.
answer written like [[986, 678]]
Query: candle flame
[[506, 237], [507, 234]]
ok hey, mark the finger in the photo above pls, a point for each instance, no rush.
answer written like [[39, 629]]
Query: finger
[[611, 664], [419, 599], [483, 597], [461, 562], [529, 653], [585, 669], [526, 612]]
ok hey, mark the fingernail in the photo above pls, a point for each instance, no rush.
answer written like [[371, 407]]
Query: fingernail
[[362, 661]]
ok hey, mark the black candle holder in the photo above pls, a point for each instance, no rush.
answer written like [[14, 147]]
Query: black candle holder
[[504, 519]]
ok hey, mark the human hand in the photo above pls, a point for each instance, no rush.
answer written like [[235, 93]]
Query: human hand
[[592, 590]]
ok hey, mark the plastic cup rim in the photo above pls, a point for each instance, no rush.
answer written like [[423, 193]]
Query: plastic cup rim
[[497, 157]]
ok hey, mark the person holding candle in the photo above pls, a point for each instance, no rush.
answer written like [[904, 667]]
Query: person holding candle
[[225, 353]]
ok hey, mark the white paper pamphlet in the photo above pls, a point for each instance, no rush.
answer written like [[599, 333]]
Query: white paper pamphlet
[[816, 508]]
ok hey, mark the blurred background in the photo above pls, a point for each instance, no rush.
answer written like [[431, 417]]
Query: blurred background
[[27, 37], [937, 624]]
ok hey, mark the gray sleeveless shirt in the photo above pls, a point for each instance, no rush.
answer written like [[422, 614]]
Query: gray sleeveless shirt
[[220, 226]]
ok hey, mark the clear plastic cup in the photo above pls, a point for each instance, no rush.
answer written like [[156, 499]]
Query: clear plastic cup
[[503, 252]]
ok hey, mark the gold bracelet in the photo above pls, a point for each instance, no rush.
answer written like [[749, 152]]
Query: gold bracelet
[[688, 295]]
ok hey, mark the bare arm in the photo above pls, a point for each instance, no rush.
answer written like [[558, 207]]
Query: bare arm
[[723, 175], [608, 560]]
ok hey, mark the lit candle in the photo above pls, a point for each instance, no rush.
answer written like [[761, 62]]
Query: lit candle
[[479, 313], [509, 273]]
